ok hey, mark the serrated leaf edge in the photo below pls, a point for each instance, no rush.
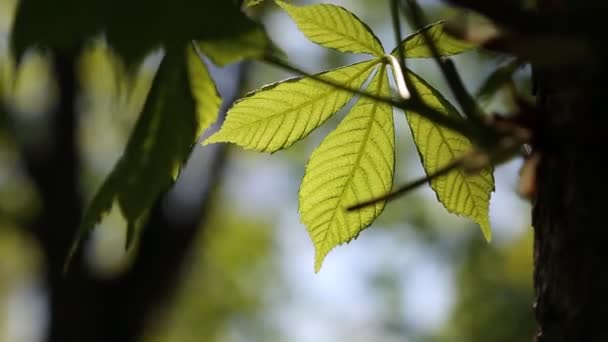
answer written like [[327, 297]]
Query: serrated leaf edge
[[479, 218], [418, 33], [214, 138], [378, 208], [377, 50]]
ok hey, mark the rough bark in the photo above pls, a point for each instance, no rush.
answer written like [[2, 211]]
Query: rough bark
[[569, 216]]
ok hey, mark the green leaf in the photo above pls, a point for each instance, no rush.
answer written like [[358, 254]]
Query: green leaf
[[181, 103], [59, 24], [461, 194], [202, 87], [278, 115], [353, 163], [252, 44], [132, 27], [414, 45], [334, 27]]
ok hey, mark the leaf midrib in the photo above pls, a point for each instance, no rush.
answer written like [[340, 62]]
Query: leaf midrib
[[375, 50], [452, 153], [360, 154], [303, 104], [459, 170]]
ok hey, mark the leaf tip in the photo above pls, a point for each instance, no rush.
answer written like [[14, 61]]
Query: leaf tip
[[213, 139], [319, 258], [486, 230], [70, 256], [131, 229]]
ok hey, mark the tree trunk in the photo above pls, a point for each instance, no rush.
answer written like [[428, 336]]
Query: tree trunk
[[571, 202], [569, 216]]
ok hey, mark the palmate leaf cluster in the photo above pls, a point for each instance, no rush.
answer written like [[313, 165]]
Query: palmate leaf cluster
[[354, 163]]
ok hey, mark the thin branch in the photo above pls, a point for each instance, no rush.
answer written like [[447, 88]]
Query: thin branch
[[456, 124], [410, 186], [397, 31], [470, 163], [453, 79], [402, 88], [413, 92]]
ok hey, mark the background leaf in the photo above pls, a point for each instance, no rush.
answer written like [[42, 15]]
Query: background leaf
[[202, 87], [414, 45], [7, 71], [132, 27], [172, 118], [461, 194], [353, 163], [277, 116], [498, 79], [250, 44], [334, 27]]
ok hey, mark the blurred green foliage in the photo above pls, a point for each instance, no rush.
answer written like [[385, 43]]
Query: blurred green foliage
[[132, 31], [494, 294], [20, 265], [225, 292], [232, 287]]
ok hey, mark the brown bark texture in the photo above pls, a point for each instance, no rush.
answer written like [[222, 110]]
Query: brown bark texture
[[571, 207], [569, 215]]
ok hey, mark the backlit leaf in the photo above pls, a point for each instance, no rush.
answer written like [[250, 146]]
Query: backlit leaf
[[203, 90], [181, 102], [354, 163], [461, 194], [414, 45], [334, 27], [278, 115]]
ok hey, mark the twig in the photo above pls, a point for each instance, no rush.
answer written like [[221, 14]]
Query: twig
[[464, 99], [413, 93], [471, 163], [410, 186]]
